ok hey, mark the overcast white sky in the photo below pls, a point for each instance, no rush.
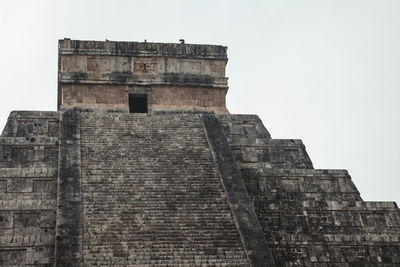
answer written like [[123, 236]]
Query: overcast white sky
[[326, 72]]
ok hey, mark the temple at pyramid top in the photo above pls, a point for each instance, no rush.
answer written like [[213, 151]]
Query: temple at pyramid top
[[142, 76]]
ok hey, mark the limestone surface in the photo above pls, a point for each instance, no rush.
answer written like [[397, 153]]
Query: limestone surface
[[182, 183], [154, 193], [101, 75]]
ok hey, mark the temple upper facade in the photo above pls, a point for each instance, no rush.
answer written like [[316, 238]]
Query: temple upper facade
[[142, 77]]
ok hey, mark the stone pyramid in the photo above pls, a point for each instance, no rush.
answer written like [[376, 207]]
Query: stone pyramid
[[142, 165]]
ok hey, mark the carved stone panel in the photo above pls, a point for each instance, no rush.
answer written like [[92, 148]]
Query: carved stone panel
[[144, 66]]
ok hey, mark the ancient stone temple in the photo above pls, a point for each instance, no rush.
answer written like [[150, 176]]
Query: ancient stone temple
[[142, 165]]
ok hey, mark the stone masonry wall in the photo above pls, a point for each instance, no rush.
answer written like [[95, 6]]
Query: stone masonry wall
[[28, 179], [95, 74], [310, 217], [152, 195], [160, 98]]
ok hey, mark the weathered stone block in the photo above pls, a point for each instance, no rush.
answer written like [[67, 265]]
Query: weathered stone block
[[6, 219], [47, 219], [3, 186], [12, 257], [44, 186], [27, 222], [19, 185], [39, 256]]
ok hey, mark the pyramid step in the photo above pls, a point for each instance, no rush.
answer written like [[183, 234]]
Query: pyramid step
[[250, 142], [329, 222], [279, 153], [243, 125], [384, 215], [350, 239], [337, 255], [28, 188], [34, 152], [327, 205], [300, 184], [32, 123], [28, 173], [338, 226], [29, 141]]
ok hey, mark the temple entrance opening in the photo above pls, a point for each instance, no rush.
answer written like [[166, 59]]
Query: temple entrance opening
[[137, 103]]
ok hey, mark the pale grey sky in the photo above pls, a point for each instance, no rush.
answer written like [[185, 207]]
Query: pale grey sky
[[326, 72]]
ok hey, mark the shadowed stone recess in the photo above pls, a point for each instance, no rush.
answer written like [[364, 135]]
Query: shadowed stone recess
[[69, 206]]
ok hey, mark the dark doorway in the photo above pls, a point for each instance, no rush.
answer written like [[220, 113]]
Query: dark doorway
[[137, 103]]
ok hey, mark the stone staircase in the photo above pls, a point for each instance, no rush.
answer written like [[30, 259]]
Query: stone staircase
[[310, 217], [151, 194], [28, 180]]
